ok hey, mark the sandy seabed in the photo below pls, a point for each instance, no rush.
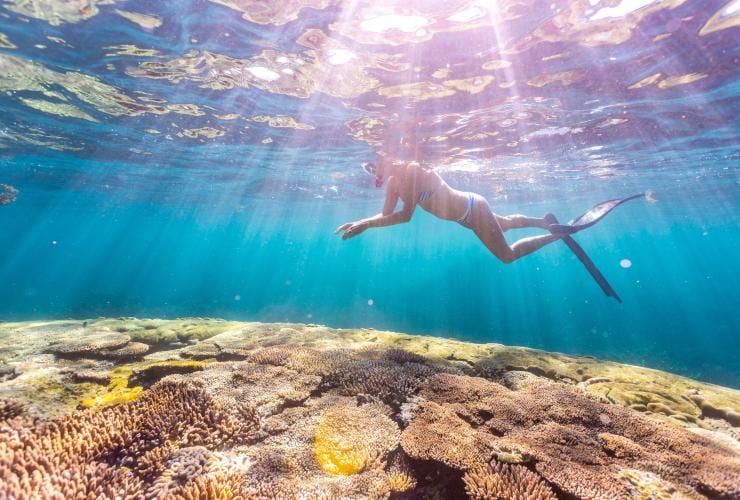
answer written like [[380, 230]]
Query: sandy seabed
[[211, 409]]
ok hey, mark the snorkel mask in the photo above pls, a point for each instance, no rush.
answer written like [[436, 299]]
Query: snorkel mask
[[372, 169]]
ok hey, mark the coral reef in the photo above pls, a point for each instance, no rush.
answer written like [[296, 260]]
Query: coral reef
[[205, 409]]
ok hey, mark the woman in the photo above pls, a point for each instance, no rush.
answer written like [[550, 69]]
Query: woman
[[415, 185]]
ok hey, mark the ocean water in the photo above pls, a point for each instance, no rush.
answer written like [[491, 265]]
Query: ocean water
[[193, 159]]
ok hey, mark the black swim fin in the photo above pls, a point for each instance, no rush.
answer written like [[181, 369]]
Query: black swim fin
[[592, 216], [589, 265]]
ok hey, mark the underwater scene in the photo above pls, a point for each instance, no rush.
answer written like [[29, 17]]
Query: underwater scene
[[304, 249]]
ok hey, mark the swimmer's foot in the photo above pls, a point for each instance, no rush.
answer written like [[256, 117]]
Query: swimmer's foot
[[549, 220], [562, 229]]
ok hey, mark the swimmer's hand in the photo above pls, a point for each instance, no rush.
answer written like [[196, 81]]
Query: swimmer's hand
[[352, 229]]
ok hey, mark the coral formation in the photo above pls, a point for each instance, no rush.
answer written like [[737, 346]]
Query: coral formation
[[566, 434], [303, 411], [10, 408], [390, 382], [504, 481], [85, 344], [74, 452], [350, 438]]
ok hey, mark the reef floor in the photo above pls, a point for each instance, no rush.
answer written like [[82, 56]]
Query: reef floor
[[211, 409]]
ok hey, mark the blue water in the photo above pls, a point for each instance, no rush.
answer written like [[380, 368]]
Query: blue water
[[118, 215]]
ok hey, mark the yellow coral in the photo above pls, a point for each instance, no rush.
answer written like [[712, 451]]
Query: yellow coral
[[118, 390], [335, 453], [349, 438]]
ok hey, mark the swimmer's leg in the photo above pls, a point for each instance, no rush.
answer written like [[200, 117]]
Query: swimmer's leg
[[486, 226], [517, 221]]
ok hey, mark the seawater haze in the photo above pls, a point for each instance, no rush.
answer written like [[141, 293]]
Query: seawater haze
[[193, 159]]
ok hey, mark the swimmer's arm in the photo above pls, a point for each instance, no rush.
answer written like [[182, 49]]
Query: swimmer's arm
[[391, 197], [390, 217], [386, 218], [400, 217]]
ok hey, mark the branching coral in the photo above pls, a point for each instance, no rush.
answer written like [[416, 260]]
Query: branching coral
[[36, 459], [153, 462], [389, 382], [393, 354], [93, 480], [501, 481], [183, 466], [437, 433], [216, 486], [129, 351], [400, 475]]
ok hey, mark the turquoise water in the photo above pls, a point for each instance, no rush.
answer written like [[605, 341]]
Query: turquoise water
[[177, 183]]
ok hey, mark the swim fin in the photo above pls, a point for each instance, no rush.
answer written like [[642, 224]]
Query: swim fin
[[592, 216], [588, 263]]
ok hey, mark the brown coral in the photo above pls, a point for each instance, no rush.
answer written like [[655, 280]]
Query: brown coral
[[273, 426], [91, 480], [302, 359], [61, 456], [153, 462], [572, 438], [437, 433], [389, 382], [216, 486], [10, 408], [183, 466], [501, 481]]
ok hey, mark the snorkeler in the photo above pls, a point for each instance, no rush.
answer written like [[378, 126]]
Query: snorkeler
[[416, 185], [8, 194]]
